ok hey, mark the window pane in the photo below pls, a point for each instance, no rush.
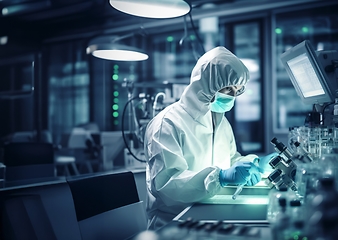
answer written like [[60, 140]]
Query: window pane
[[69, 89], [248, 126], [317, 25]]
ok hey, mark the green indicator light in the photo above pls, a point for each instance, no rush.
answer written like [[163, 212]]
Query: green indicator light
[[115, 107], [305, 29], [115, 77], [116, 122], [116, 93], [278, 30], [115, 114], [192, 37], [116, 67], [170, 39], [116, 100]]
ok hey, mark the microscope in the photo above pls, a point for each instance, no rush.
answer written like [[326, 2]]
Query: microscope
[[285, 165], [284, 168]]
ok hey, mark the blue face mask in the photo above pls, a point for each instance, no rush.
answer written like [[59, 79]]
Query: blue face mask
[[222, 103]]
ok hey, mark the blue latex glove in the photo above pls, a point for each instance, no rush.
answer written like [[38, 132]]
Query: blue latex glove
[[255, 176], [239, 173], [264, 162]]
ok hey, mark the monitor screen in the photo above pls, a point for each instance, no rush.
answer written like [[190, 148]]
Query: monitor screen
[[307, 74]]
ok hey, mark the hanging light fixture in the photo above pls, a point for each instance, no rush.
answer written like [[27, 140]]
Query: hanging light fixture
[[152, 8], [106, 47]]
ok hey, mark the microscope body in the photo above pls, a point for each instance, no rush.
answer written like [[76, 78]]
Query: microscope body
[[284, 166]]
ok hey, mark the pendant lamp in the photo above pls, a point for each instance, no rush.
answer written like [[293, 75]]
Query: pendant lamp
[[108, 48], [152, 8]]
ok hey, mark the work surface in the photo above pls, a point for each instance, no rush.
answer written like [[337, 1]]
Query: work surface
[[252, 206], [221, 217]]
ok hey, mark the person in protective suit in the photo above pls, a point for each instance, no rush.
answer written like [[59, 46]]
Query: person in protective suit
[[190, 146]]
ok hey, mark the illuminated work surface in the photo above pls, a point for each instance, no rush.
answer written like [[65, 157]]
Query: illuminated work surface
[[250, 205]]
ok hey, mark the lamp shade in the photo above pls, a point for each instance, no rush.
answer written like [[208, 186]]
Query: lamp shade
[[117, 52], [152, 8]]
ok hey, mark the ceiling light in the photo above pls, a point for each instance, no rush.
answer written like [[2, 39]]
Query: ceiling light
[[107, 48], [3, 40], [152, 8]]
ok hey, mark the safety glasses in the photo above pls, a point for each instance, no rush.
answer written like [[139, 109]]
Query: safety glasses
[[233, 90]]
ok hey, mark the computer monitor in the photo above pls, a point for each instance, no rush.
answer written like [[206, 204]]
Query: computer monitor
[[306, 69]]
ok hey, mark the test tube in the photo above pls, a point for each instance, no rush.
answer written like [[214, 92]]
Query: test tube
[[238, 191], [240, 187]]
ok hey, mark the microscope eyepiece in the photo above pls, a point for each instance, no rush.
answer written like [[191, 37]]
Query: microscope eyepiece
[[278, 145]]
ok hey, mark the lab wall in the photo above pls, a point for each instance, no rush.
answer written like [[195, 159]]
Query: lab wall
[[72, 87]]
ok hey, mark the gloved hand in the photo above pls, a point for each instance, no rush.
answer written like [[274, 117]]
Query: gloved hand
[[255, 176], [240, 173], [264, 162]]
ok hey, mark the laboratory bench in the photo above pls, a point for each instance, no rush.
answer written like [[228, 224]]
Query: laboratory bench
[[112, 203], [222, 217], [250, 205]]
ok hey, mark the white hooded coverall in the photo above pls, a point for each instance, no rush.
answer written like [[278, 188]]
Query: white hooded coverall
[[186, 145]]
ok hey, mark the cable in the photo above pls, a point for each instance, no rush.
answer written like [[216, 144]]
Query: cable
[[197, 35], [185, 32], [323, 111], [185, 36], [155, 102], [123, 132]]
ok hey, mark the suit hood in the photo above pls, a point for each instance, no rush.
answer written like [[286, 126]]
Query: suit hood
[[215, 70]]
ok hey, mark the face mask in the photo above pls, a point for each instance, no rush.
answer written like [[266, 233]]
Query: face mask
[[222, 103]]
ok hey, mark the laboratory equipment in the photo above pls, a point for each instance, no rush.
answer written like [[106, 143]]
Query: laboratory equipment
[[281, 149], [240, 186], [133, 140], [274, 207], [158, 105], [299, 171], [238, 191], [314, 77], [296, 226], [303, 155], [312, 73], [322, 210], [312, 153], [281, 224], [138, 111], [286, 164], [285, 167]]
